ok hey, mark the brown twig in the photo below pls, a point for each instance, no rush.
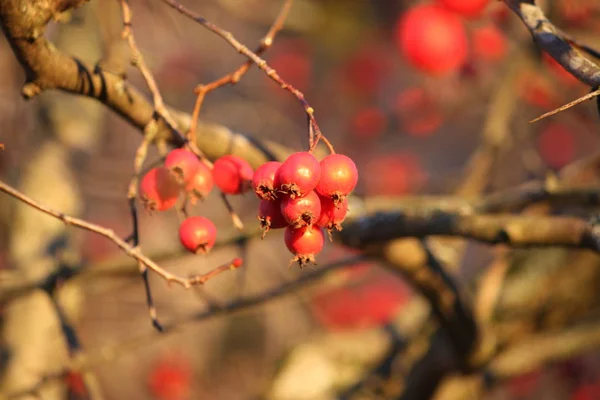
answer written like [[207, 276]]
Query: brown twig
[[262, 65], [234, 77], [131, 251]]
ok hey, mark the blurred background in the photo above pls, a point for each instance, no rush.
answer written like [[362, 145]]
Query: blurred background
[[410, 133]]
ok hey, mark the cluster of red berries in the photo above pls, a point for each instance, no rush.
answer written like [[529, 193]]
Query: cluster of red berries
[[184, 173], [301, 194], [304, 196]]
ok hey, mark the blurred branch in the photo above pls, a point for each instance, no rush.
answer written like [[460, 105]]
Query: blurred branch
[[122, 244], [512, 230], [551, 40], [560, 47]]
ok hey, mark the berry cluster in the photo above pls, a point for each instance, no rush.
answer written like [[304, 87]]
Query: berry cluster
[[304, 196], [301, 194], [184, 172]]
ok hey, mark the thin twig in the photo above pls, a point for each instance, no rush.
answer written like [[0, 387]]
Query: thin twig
[[261, 63], [235, 76], [131, 251]]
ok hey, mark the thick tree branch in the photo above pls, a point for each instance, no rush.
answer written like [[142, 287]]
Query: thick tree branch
[[513, 230]]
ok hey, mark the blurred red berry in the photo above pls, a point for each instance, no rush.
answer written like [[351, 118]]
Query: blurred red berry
[[432, 39], [466, 8], [524, 385], [393, 174], [365, 71], [556, 145], [171, 379], [198, 234], [369, 123], [158, 189], [489, 43], [418, 112], [360, 306], [232, 174]]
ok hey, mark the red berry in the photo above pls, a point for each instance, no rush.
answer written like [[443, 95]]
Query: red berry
[[339, 177], [298, 175], [466, 8], [171, 379], [301, 211], [304, 243], [198, 234], [332, 215], [201, 184], [232, 174], [432, 39], [263, 181], [369, 123], [269, 215], [159, 190], [183, 164], [556, 145], [418, 112], [489, 43]]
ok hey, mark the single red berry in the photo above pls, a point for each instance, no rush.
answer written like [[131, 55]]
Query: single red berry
[[298, 175], [158, 189], [557, 145], [263, 181], [183, 164], [332, 215], [466, 8], [232, 174], [339, 177], [304, 243], [201, 184], [198, 234], [301, 211], [269, 215], [237, 262], [171, 379], [489, 43], [432, 39]]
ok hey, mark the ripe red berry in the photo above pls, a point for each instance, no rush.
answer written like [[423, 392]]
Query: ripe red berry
[[269, 215], [159, 191], [466, 8], [304, 243], [432, 39], [301, 211], [232, 174], [198, 234], [201, 184], [339, 177], [332, 215], [263, 181], [298, 175], [183, 164]]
